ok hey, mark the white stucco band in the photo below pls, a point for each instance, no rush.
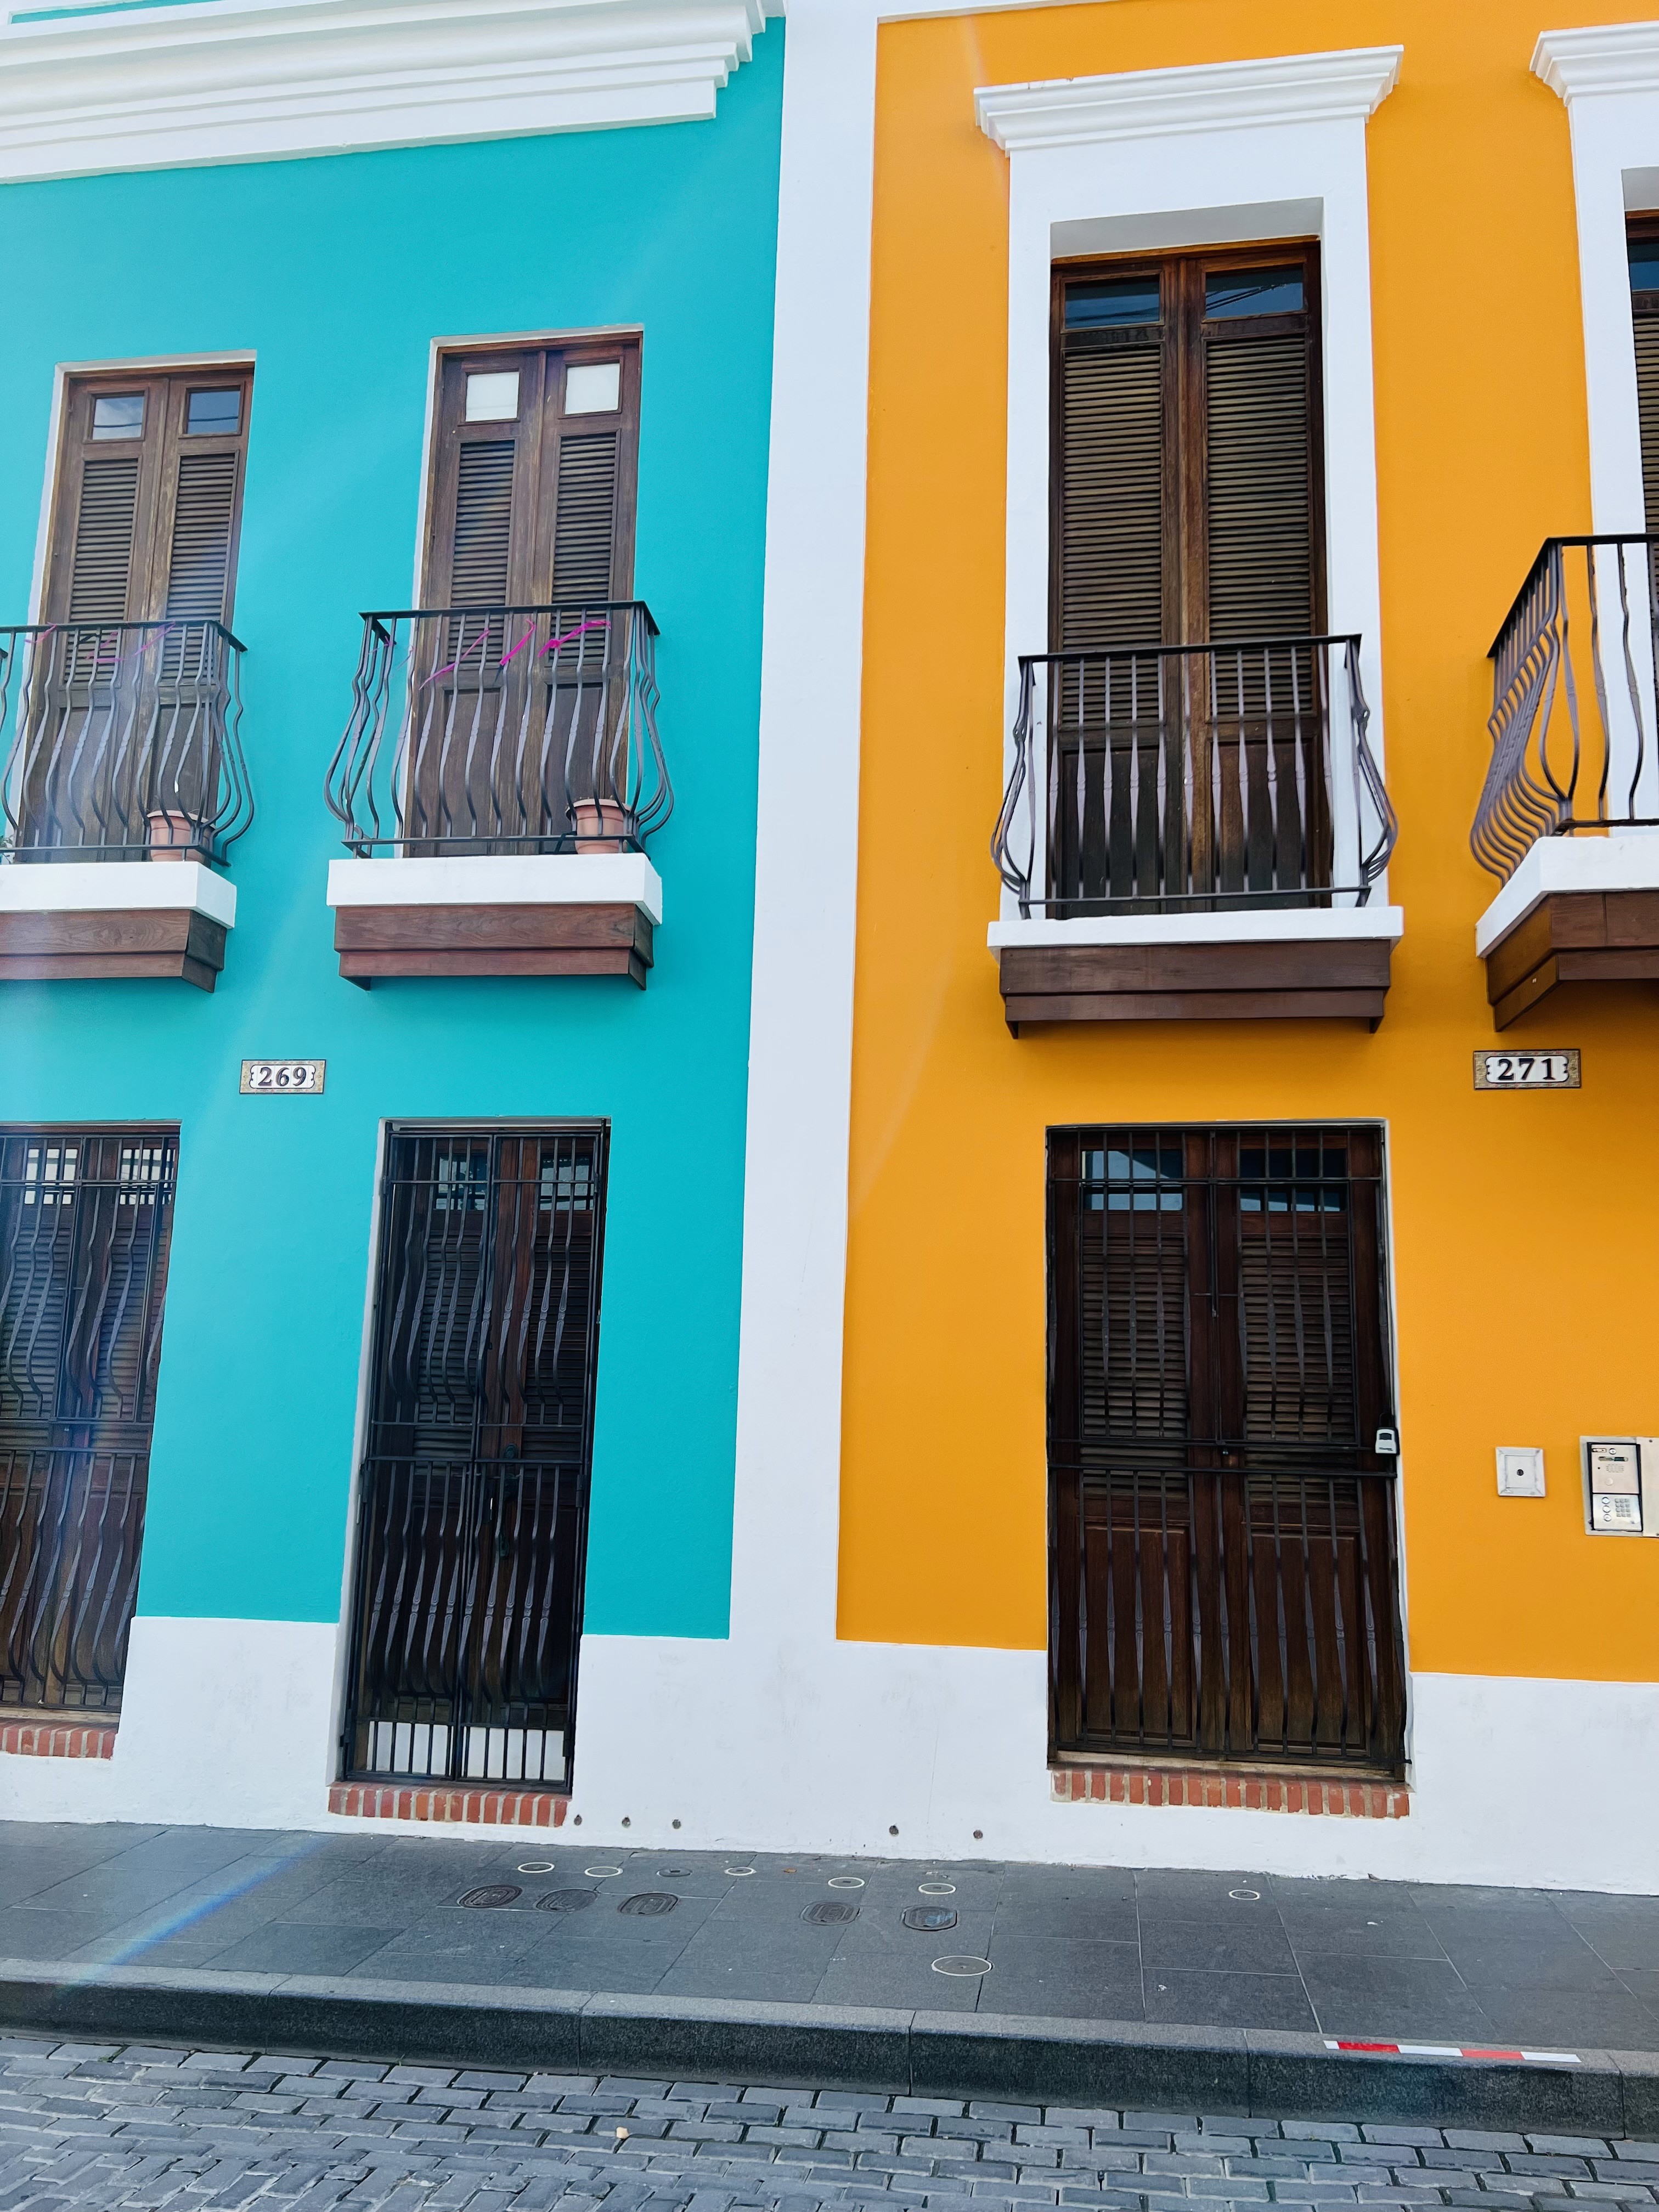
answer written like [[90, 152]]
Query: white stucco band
[[1626, 860], [501, 879], [1147, 160], [1336, 925], [1608, 76], [260, 80], [118, 887], [1529, 1781]]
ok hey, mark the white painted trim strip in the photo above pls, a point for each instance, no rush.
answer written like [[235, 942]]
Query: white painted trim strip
[[1082, 111], [261, 80], [117, 887], [501, 879], [1342, 925], [1627, 861]]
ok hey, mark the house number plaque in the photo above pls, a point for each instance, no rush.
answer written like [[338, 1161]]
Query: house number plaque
[[282, 1078], [1539, 1070]]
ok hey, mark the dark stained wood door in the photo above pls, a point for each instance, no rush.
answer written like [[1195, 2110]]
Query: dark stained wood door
[[1225, 1578]]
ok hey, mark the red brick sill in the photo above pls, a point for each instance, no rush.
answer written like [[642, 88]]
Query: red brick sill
[[1257, 1790], [491, 1808], [59, 1739]]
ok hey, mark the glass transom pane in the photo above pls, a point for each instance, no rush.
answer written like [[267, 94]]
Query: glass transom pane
[[1644, 264], [1253, 292], [492, 396], [211, 412], [1114, 304], [119, 415], [593, 388]]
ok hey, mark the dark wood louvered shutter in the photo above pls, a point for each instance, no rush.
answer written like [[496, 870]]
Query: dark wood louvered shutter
[[1187, 461], [148, 502], [1258, 507], [534, 505], [1111, 496], [481, 556]]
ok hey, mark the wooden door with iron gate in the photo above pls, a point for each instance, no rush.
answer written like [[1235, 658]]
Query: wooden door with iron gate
[[86, 1221], [472, 1495], [1223, 1565]]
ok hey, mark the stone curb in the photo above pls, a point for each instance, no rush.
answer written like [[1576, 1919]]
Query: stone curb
[[968, 2055]]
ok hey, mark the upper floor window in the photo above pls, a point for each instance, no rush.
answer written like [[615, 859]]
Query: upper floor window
[[1187, 474], [533, 476], [147, 500]]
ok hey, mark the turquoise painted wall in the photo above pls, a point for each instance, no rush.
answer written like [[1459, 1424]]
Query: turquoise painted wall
[[339, 273]]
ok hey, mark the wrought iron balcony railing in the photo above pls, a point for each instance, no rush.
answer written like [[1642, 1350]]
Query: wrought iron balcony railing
[[1193, 778], [528, 729], [1572, 732], [122, 741]]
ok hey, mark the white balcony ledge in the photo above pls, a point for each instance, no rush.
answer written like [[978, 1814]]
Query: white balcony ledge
[[1282, 925], [84, 919], [1290, 963], [1577, 910], [564, 914], [1624, 860]]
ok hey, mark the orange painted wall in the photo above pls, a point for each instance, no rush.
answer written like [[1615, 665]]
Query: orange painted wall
[[1526, 1230]]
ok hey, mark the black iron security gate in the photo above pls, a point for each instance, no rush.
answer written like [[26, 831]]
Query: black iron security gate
[[1223, 1570], [472, 1513], [86, 1216]]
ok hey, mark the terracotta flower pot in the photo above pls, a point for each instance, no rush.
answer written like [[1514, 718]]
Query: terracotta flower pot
[[172, 836], [602, 825]]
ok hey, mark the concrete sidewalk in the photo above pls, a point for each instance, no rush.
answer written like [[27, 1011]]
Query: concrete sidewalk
[[1224, 1991]]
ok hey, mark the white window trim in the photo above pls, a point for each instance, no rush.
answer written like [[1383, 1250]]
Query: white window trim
[[269, 80], [1608, 76], [1219, 154]]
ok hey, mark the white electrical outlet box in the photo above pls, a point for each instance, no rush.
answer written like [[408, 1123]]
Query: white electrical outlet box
[[1621, 1486], [1520, 1471]]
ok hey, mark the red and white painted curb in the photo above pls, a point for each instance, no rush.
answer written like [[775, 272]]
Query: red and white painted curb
[[1458, 2051]]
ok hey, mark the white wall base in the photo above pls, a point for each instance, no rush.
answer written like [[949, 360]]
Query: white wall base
[[1519, 1782], [1545, 1783]]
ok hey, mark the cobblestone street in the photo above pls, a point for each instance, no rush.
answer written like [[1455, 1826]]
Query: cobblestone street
[[105, 2125]]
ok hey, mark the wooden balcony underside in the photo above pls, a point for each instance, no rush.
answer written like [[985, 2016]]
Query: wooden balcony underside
[[1301, 980], [383, 941], [1573, 937], [51, 945]]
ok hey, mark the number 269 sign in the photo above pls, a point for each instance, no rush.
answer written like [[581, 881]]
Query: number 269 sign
[[282, 1078], [1538, 1070]]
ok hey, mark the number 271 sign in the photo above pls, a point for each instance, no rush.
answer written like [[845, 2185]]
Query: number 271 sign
[[282, 1078], [1539, 1070]]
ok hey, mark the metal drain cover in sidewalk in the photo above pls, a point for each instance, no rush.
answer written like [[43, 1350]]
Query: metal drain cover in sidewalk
[[829, 1912], [649, 1904], [961, 1965], [930, 1919], [492, 1893], [566, 1901]]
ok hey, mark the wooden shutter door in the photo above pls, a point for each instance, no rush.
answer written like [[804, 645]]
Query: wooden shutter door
[[589, 466], [1259, 469], [144, 529], [480, 536], [103, 510]]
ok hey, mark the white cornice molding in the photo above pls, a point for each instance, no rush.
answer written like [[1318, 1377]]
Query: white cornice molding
[[1604, 58], [264, 80], [1082, 110]]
